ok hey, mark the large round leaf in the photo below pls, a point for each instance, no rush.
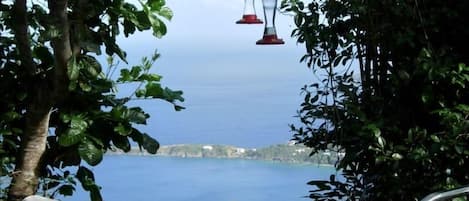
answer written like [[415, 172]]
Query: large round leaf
[[90, 153], [150, 144], [71, 137]]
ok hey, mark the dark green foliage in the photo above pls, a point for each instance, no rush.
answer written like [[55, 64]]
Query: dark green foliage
[[90, 117], [403, 119]]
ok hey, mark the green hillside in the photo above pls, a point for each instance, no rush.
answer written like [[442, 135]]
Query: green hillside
[[281, 152]]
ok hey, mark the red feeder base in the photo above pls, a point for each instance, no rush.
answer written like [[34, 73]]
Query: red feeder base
[[249, 19], [270, 40]]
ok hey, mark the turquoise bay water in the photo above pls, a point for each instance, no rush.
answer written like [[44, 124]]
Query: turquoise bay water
[[128, 178]]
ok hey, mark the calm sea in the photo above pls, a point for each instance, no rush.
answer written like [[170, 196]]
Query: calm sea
[[236, 92], [129, 178]]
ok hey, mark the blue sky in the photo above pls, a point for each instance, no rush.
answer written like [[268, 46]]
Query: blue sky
[[236, 92]]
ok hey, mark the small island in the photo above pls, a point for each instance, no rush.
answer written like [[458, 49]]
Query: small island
[[290, 153]]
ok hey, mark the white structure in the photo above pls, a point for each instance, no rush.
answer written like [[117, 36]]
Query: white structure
[[37, 198], [240, 150], [300, 150], [207, 147], [291, 142]]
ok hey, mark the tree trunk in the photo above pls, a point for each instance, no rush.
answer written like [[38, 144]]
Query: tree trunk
[[26, 176], [41, 97], [33, 140]]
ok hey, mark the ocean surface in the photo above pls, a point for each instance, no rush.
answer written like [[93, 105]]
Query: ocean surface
[[140, 178], [236, 92]]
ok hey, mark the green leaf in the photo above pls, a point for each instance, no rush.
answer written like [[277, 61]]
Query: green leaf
[[75, 133], [10, 116], [178, 108], [141, 21], [154, 90], [91, 47], [159, 29], [129, 27], [320, 184], [113, 48], [149, 77], [166, 13], [137, 137], [85, 87], [73, 69], [135, 72], [90, 153], [156, 4], [150, 144], [140, 93], [171, 96], [463, 108], [123, 130], [95, 195], [66, 190], [298, 20], [125, 76], [72, 86], [314, 99], [86, 178], [49, 34], [121, 142], [71, 137], [92, 66], [136, 115], [78, 122], [381, 142], [97, 141], [435, 138], [397, 156]]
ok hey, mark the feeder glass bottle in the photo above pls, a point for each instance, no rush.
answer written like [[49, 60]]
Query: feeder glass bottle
[[249, 15], [270, 34]]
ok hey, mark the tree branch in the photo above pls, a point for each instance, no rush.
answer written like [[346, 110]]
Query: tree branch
[[20, 28], [60, 44], [78, 28]]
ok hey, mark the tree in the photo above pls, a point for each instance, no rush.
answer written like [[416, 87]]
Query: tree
[[403, 118], [58, 107]]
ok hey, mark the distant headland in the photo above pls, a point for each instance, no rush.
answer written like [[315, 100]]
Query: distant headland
[[290, 153]]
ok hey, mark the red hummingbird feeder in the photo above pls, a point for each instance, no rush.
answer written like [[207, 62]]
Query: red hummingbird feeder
[[249, 15], [270, 34]]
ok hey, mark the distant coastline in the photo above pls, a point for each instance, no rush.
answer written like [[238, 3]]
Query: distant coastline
[[288, 153]]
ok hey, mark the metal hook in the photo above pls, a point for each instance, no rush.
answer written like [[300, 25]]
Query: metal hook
[[445, 195]]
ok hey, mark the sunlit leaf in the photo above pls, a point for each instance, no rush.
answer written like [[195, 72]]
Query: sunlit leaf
[[166, 13], [90, 153], [73, 69], [70, 137]]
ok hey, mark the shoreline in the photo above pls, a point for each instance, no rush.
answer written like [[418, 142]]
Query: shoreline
[[281, 153], [245, 159]]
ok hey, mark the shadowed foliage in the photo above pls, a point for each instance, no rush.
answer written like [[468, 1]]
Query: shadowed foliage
[[393, 95]]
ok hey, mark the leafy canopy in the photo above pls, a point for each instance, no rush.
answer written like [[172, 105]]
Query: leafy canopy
[[393, 95], [90, 117]]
